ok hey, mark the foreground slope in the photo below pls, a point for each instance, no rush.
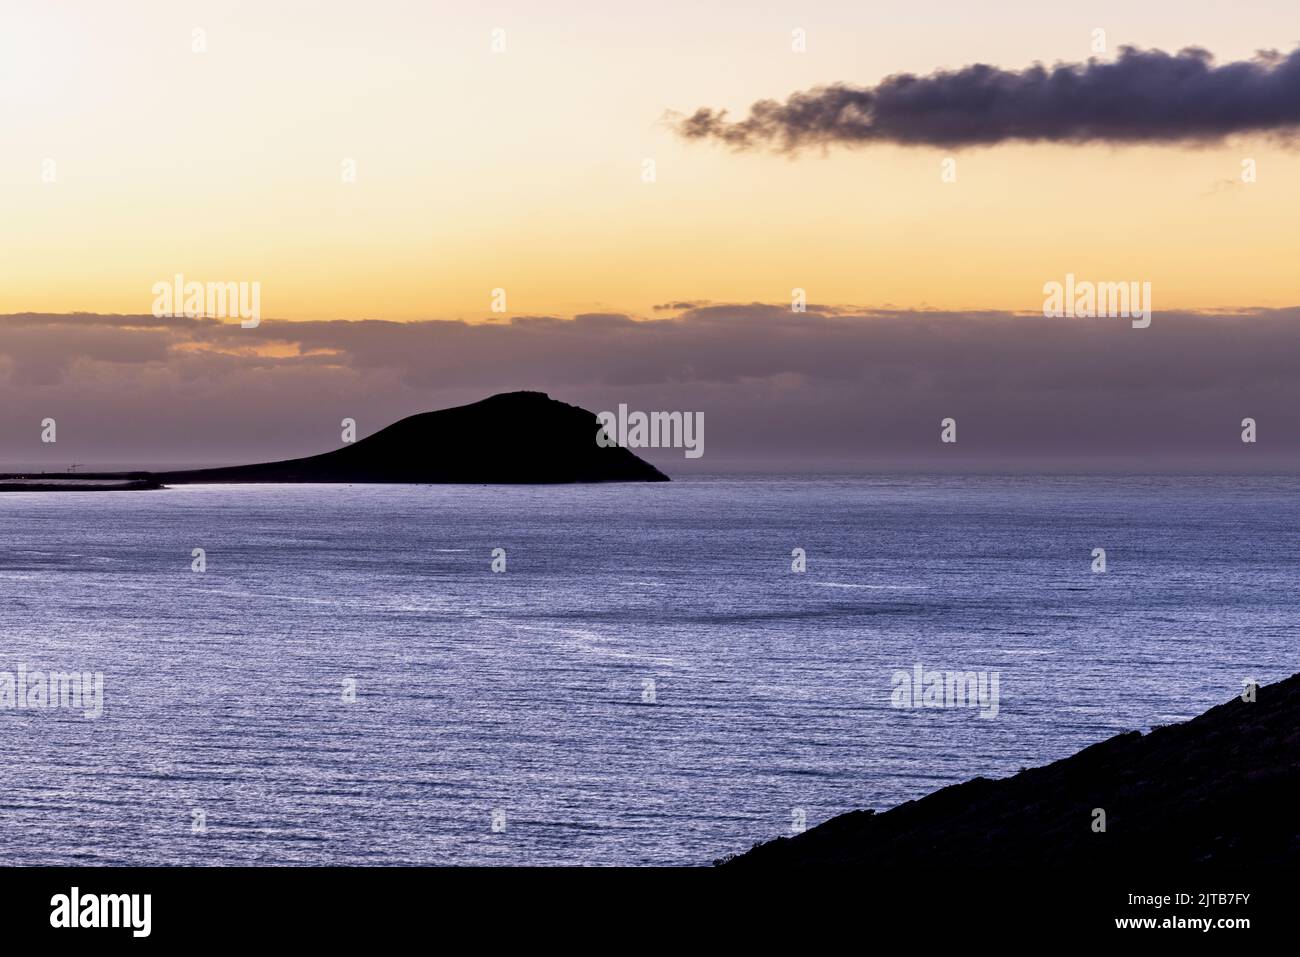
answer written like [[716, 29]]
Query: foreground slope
[[1221, 789]]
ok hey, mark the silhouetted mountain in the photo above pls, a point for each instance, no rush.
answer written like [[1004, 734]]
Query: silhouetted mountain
[[511, 438], [1220, 789]]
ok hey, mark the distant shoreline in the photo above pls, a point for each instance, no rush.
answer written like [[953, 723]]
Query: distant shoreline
[[18, 483], [515, 438]]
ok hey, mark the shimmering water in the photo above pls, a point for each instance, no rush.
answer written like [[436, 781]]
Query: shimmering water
[[525, 692]]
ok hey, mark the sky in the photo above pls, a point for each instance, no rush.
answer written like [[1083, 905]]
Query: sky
[[129, 158]]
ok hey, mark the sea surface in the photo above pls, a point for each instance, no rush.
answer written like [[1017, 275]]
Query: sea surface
[[647, 682]]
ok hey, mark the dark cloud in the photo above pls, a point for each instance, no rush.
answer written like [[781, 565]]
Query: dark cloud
[[826, 388], [680, 305], [1143, 96]]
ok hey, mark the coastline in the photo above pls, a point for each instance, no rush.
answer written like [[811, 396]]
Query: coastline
[[22, 483]]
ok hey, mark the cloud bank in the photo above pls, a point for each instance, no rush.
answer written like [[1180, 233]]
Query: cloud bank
[[1143, 96], [824, 389]]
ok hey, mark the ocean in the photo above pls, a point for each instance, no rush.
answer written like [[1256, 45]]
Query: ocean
[[646, 682]]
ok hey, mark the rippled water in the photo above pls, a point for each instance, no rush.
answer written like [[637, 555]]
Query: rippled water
[[524, 692]]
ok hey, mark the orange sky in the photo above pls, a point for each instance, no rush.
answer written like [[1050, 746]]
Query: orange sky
[[523, 170]]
